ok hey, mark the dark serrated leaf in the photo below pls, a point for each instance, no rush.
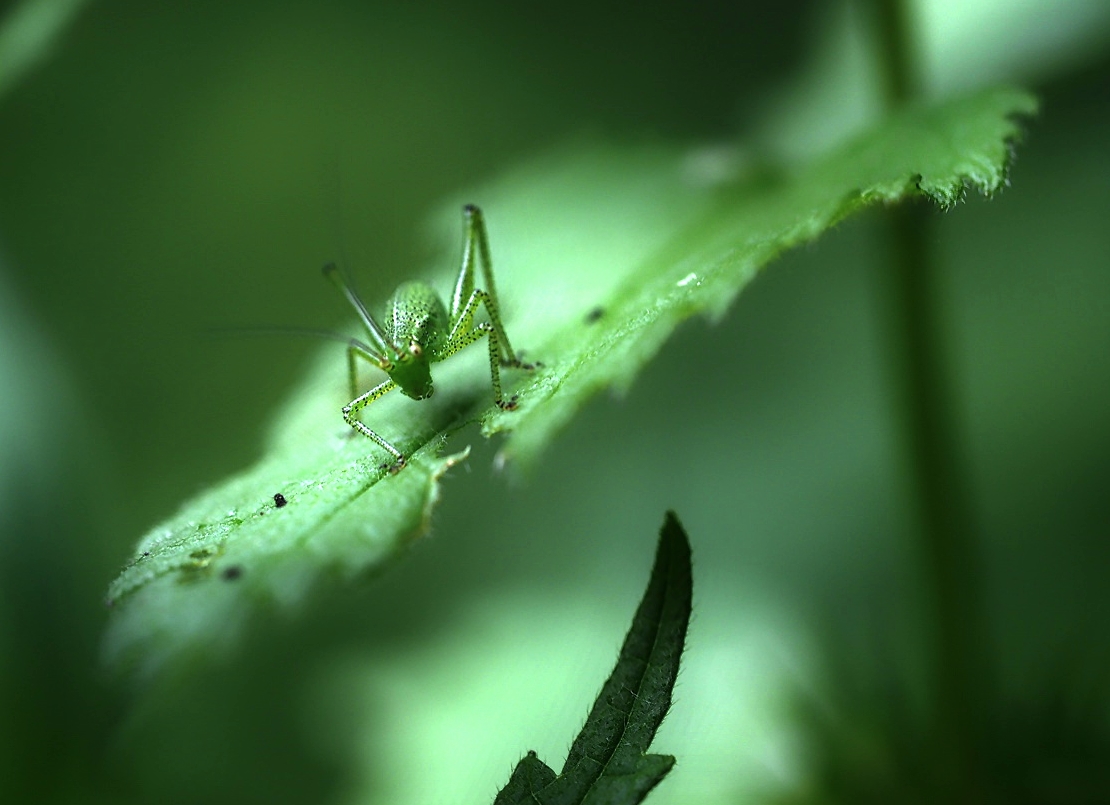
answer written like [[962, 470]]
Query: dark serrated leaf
[[530, 776], [607, 763]]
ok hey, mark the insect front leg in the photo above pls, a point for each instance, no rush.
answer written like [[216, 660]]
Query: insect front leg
[[351, 412]]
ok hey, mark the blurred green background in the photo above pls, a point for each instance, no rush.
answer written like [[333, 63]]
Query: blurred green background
[[173, 168]]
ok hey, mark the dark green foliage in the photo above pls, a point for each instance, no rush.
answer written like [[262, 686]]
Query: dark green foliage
[[607, 764]]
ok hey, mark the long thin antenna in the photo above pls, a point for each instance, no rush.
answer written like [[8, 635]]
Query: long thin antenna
[[300, 332], [377, 334]]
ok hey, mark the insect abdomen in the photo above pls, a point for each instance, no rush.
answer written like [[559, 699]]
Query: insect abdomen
[[417, 314]]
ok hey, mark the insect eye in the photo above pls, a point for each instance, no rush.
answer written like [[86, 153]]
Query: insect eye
[[415, 350]]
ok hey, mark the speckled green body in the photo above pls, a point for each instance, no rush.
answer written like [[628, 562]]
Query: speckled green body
[[417, 316], [419, 331]]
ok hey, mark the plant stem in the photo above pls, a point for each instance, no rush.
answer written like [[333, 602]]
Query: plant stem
[[901, 81], [946, 537], [951, 567]]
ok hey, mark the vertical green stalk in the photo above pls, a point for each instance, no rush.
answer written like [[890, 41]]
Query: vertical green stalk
[[947, 540]]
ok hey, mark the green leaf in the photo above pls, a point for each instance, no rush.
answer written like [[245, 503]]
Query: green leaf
[[646, 241], [607, 764], [600, 252], [239, 546]]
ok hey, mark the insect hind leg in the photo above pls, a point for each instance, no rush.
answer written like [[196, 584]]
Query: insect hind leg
[[463, 303]]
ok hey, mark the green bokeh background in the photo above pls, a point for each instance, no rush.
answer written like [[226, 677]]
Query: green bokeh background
[[174, 168]]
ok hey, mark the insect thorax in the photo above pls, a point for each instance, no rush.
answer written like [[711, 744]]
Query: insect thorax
[[417, 314]]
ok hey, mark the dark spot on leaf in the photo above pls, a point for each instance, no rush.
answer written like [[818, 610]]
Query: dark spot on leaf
[[279, 500], [595, 314], [232, 573], [198, 565]]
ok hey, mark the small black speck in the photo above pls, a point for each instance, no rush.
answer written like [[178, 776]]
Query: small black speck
[[595, 314], [232, 573], [146, 553], [279, 500]]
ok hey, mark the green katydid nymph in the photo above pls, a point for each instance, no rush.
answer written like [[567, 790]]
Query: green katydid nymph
[[419, 331]]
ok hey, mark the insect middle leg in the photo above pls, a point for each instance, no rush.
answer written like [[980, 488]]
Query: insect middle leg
[[464, 333], [355, 350]]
